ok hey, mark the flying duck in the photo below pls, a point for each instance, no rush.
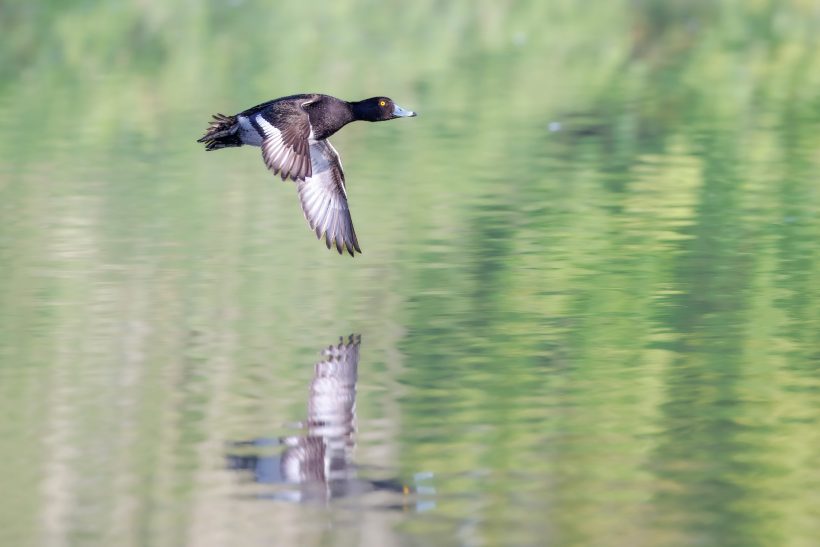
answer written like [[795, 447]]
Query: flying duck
[[292, 132]]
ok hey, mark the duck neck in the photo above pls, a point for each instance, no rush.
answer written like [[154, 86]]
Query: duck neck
[[326, 121], [361, 110]]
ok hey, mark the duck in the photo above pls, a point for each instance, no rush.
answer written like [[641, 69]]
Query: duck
[[292, 133]]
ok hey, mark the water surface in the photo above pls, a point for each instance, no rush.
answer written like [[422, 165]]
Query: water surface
[[588, 301]]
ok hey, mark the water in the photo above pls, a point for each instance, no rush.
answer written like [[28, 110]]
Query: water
[[588, 299]]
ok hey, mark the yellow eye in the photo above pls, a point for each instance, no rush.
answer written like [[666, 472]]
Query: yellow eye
[[382, 103]]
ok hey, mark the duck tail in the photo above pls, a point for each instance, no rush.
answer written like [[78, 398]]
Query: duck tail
[[221, 133]]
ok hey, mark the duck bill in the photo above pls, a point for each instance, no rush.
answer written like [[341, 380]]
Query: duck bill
[[399, 112]]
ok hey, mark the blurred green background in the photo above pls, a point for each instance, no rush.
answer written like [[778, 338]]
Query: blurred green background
[[588, 299]]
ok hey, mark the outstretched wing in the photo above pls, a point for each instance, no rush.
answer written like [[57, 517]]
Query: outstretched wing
[[324, 199], [285, 148]]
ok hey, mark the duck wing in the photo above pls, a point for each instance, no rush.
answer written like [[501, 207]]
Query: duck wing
[[286, 129], [324, 199]]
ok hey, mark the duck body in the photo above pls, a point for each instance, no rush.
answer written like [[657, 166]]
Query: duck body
[[292, 133]]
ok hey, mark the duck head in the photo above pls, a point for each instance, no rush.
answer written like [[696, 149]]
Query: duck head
[[378, 109]]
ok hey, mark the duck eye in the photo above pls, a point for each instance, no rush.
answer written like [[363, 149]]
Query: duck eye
[[382, 103]]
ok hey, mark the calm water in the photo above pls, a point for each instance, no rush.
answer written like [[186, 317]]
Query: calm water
[[588, 304]]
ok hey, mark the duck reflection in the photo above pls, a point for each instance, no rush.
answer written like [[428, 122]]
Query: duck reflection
[[324, 453], [320, 460]]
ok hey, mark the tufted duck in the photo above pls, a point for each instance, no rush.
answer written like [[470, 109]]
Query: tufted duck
[[292, 132]]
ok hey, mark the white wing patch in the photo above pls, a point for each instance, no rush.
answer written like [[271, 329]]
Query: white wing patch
[[337, 159], [273, 147], [324, 199], [280, 157]]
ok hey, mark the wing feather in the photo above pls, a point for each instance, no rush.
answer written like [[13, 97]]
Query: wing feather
[[286, 128], [323, 199]]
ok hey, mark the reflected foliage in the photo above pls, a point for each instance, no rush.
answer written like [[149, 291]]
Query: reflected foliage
[[590, 275]]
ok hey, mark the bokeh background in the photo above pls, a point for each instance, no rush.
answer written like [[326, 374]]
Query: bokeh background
[[589, 297]]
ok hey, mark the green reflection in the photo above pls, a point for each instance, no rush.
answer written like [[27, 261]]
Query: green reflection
[[588, 284]]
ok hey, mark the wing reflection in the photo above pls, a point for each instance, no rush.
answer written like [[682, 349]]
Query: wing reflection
[[324, 453], [319, 461]]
